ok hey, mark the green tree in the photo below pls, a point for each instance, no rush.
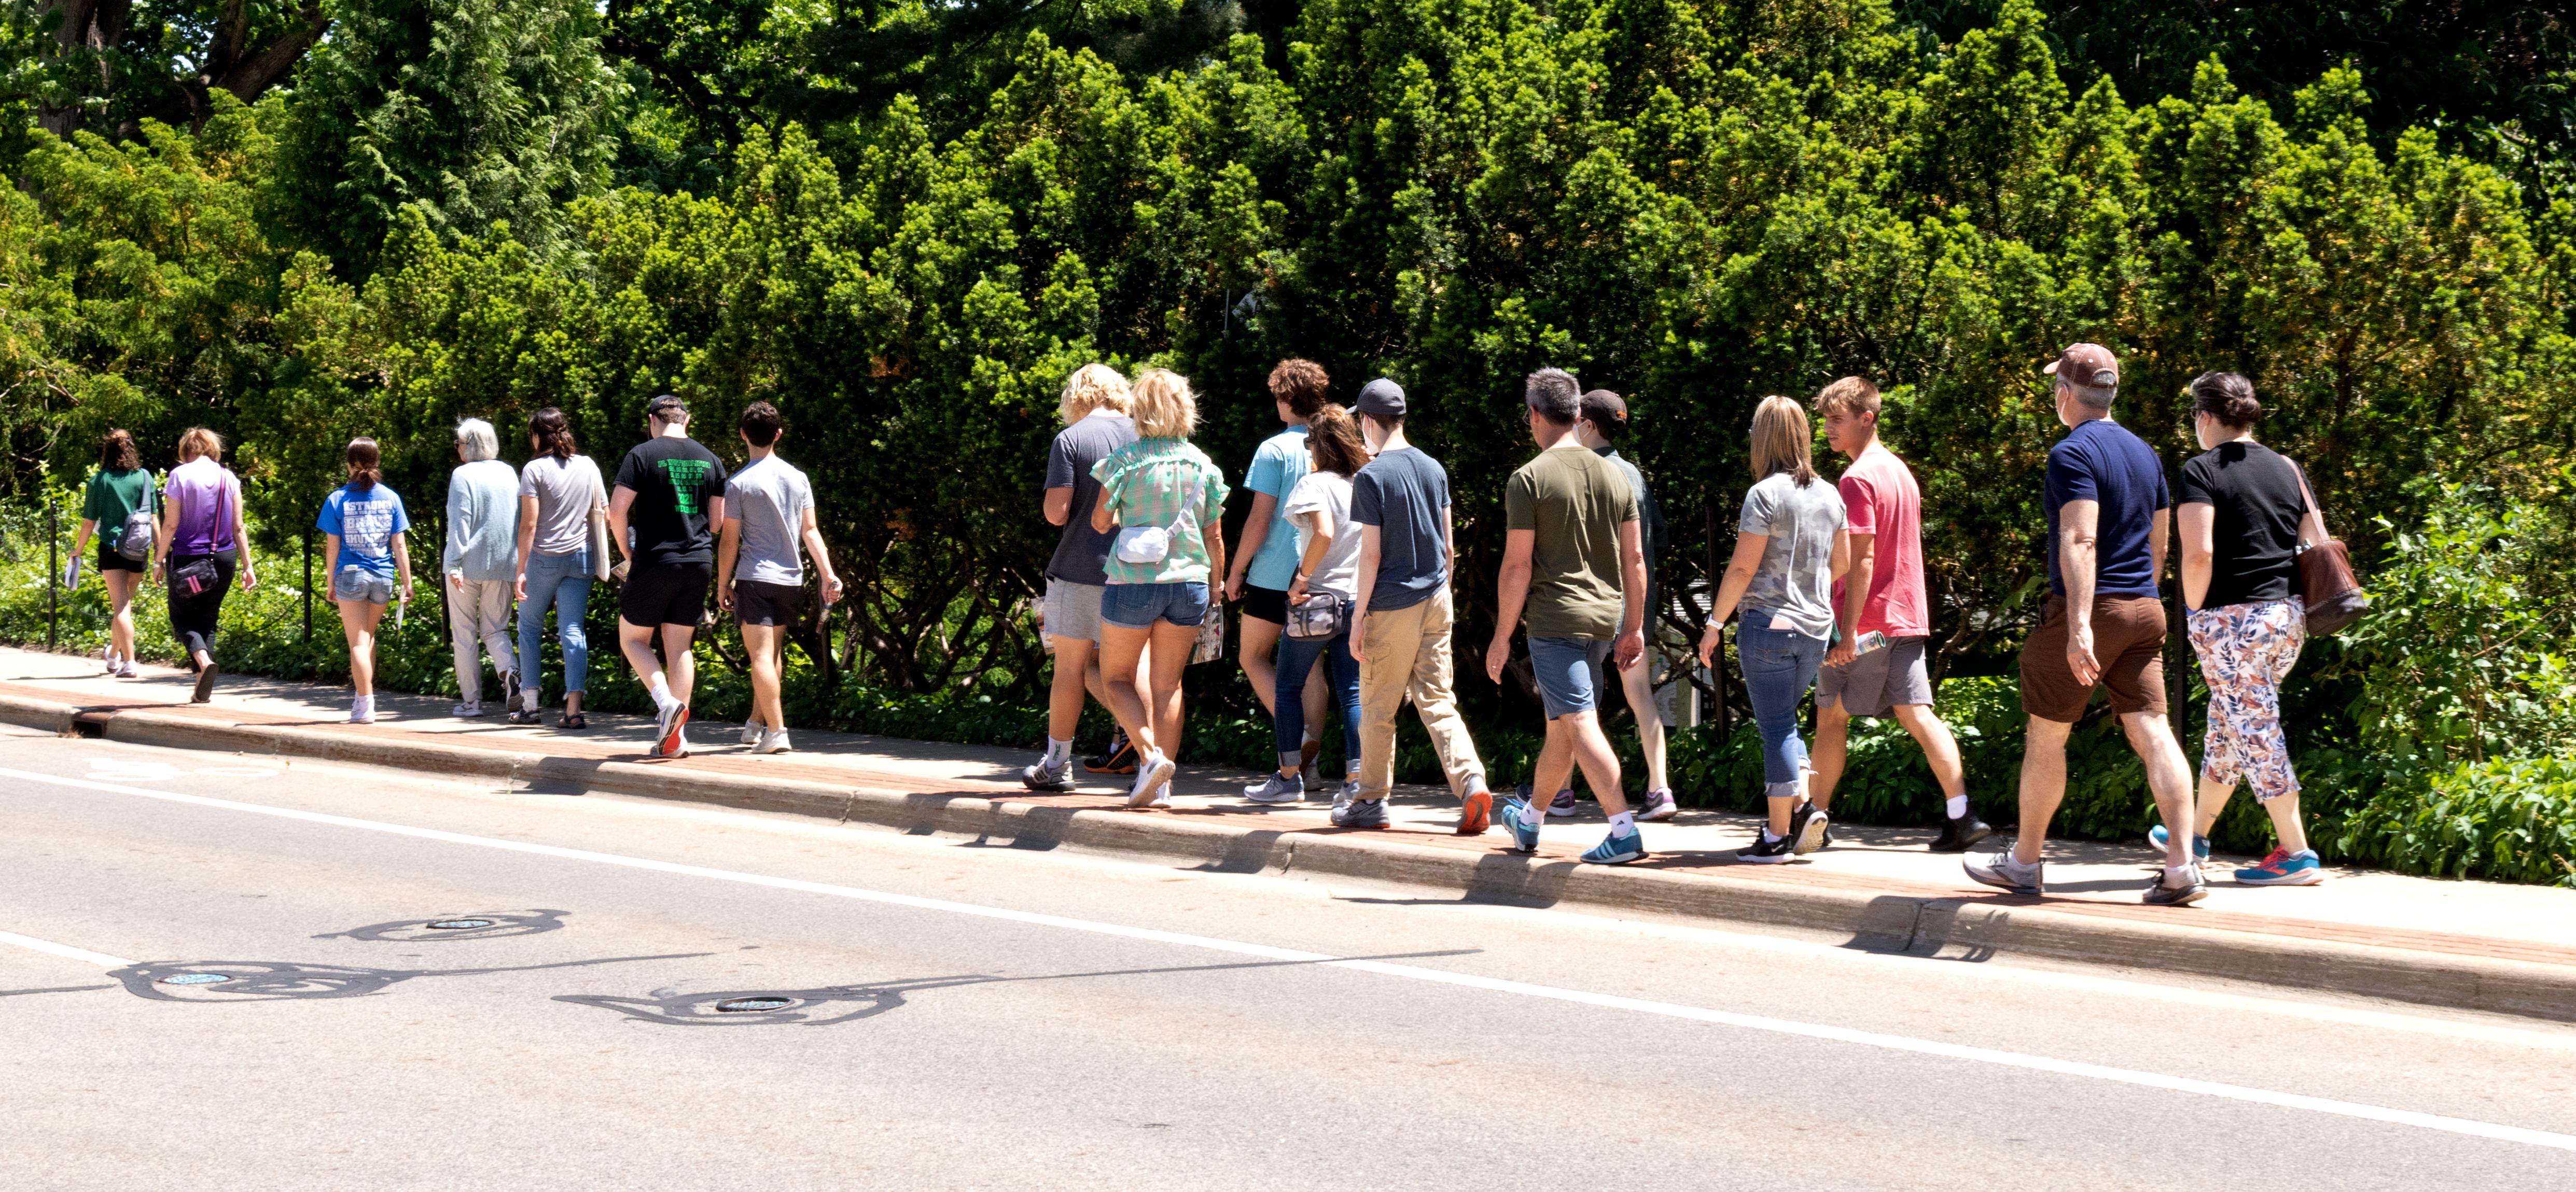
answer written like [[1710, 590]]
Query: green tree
[[475, 112]]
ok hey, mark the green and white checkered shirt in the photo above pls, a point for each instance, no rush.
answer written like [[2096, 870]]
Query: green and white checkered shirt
[[1151, 482]]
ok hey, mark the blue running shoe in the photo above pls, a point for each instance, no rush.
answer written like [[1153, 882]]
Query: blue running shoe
[[2156, 837], [1524, 825], [2284, 868], [1617, 850]]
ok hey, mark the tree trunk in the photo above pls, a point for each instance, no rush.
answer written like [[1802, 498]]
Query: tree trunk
[[91, 27]]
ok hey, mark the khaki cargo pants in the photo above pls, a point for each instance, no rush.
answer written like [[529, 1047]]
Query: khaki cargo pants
[[1408, 654]]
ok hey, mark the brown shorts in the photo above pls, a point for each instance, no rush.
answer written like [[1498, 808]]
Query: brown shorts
[[2129, 642]]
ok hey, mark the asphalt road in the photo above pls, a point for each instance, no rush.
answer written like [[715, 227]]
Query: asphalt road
[[953, 1015]]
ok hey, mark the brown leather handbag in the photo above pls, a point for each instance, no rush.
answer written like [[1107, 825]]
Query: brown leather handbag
[[2334, 598]]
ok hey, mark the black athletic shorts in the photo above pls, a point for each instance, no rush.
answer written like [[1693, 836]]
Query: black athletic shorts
[[665, 594], [109, 560], [1266, 604], [757, 603]]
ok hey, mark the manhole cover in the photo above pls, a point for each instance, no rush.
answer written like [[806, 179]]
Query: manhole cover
[[754, 1005], [195, 979], [458, 924]]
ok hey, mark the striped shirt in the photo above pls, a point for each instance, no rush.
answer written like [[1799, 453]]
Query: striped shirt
[[1154, 482]]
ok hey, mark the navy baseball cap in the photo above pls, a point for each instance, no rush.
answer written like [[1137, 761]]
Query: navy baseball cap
[[1382, 398]]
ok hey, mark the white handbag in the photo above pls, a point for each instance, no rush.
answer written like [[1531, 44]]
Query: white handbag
[[1150, 544]]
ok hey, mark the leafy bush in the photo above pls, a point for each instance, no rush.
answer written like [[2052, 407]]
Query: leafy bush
[[2511, 821], [2463, 657]]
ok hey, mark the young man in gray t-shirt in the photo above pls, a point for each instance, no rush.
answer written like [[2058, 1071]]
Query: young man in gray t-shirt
[[769, 509]]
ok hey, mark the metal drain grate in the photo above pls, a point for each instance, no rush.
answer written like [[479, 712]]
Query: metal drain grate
[[195, 979], [457, 924], [753, 1005]]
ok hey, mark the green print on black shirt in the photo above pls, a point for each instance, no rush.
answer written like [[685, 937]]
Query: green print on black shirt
[[686, 476]]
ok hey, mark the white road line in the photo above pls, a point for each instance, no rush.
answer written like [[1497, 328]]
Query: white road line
[[66, 951], [2208, 1088]]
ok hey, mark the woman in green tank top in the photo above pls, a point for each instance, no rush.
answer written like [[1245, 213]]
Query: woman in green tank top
[[117, 491]]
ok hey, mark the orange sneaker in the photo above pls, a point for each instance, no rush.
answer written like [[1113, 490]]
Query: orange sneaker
[[1476, 812]]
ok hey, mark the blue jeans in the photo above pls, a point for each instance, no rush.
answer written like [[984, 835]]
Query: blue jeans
[[564, 582], [1138, 606], [1779, 666], [1296, 657]]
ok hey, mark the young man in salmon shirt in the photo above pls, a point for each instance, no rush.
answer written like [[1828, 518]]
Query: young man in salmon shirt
[[1883, 593]]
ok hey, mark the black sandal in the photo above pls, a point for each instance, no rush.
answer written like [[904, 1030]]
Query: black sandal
[[573, 720], [526, 716]]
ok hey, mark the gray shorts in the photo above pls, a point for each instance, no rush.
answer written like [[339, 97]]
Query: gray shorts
[[1073, 610], [1877, 681], [1565, 668]]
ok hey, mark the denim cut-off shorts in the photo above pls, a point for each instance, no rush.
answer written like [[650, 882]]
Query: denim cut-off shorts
[[1138, 606]]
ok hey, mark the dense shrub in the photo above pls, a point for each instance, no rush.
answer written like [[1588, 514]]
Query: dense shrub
[[2509, 821]]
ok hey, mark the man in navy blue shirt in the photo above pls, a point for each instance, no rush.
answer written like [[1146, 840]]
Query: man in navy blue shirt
[[1402, 622], [2103, 625]]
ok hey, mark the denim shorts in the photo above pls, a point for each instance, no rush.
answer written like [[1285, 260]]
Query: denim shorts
[[1566, 666], [1138, 606], [358, 583]]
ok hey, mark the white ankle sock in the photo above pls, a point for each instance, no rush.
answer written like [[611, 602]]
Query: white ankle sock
[[1957, 806], [1058, 752], [1769, 836], [2178, 875], [1623, 823], [660, 689]]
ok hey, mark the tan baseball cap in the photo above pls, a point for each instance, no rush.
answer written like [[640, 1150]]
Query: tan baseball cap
[[2086, 364]]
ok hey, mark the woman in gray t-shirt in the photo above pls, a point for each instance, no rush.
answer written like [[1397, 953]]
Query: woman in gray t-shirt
[[1790, 547], [558, 492]]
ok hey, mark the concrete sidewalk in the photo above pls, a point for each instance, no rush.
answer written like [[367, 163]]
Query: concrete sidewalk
[[2464, 944]]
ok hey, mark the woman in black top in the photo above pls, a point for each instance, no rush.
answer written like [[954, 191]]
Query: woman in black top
[[2245, 514]]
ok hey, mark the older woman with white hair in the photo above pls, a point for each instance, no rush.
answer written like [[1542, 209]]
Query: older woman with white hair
[[481, 563]]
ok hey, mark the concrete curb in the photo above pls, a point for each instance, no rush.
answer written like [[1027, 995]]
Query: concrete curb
[[1886, 921]]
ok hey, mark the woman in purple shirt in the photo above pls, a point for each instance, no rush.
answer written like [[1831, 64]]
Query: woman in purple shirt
[[201, 514]]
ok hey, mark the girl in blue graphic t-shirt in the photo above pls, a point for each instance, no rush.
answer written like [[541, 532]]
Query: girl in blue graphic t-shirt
[[366, 527]]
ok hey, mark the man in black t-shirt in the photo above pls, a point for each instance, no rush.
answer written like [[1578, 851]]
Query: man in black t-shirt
[[669, 498]]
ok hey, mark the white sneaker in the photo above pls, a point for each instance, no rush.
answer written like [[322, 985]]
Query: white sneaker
[[1153, 782], [111, 662], [125, 670], [773, 741], [1278, 788], [751, 731], [362, 710], [474, 708], [674, 743]]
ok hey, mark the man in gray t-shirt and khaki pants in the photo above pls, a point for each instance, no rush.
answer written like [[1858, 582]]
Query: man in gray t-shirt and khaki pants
[[768, 510]]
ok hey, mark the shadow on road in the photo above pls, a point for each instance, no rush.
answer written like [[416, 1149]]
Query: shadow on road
[[268, 981], [848, 1003]]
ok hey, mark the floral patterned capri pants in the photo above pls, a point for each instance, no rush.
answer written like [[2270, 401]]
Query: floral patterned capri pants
[[2245, 651]]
